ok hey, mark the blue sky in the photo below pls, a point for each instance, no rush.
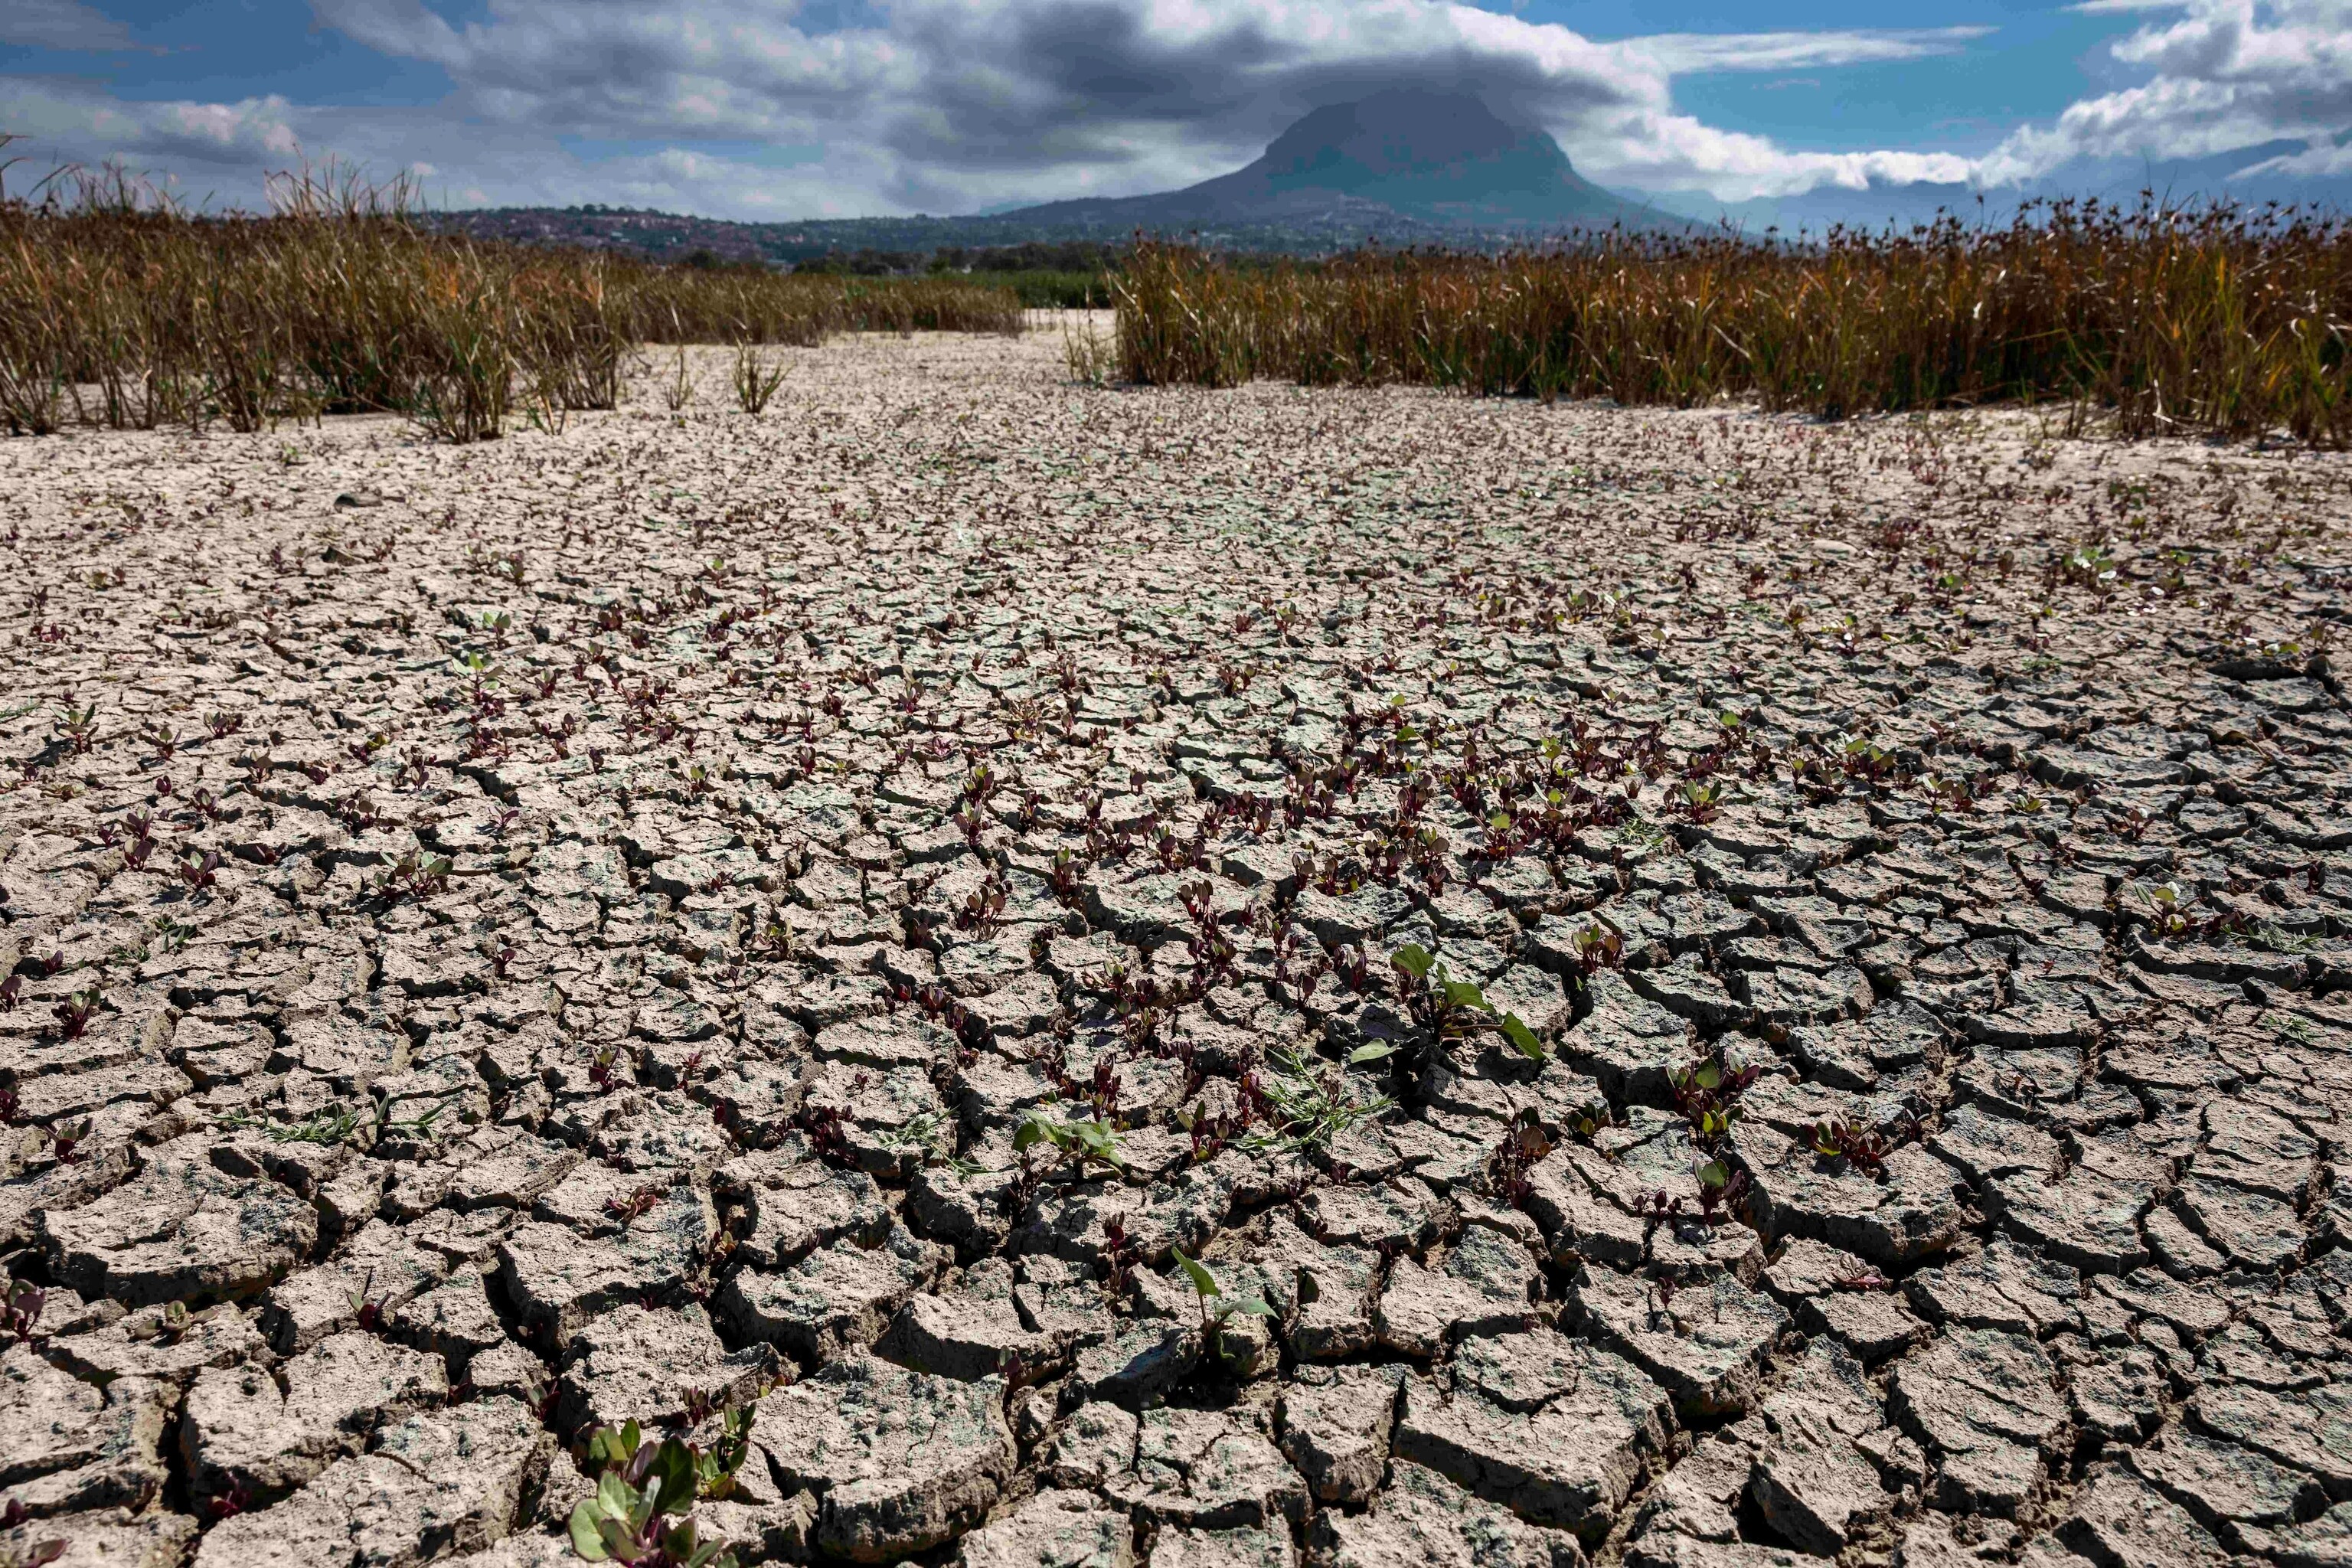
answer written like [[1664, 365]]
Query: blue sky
[[821, 107]]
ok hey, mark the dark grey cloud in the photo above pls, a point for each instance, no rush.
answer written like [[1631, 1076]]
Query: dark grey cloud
[[954, 105]]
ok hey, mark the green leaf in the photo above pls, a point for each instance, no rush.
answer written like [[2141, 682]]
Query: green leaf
[[1204, 1282], [1714, 1174], [615, 1497], [585, 1541], [1520, 1035], [674, 1469], [1363, 1054], [1413, 958], [1031, 1133], [608, 1448], [1253, 1306], [1707, 1075], [1463, 994]]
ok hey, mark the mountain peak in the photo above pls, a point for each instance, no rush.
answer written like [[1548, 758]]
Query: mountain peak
[[1400, 131], [1411, 154]]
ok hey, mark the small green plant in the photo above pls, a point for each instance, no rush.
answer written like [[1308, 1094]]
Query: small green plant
[[1205, 1285], [65, 1139], [420, 1126], [1599, 947], [1699, 801], [1708, 1094], [1451, 1010], [640, 1484], [331, 1126], [2271, 937], [20, 1308], [419, 876], [680, 391], [1594, 1118], [932, 1140], [73, 1014], [1092, 358], [76, 727], [1843, 1137], [755, 377], [35, 1555], [1080, 1143], [1721, 1188], [2091, 566], [2290, 1026], [1309, 1104]]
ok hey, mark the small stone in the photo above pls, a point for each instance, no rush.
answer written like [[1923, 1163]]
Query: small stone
[[1488, 1285], [2119, 1518], [181, 1232], [2007, 1285], [110, 1538], [559, 1279]]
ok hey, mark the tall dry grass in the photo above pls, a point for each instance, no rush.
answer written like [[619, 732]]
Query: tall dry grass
[[2220, 321], [117, 310]]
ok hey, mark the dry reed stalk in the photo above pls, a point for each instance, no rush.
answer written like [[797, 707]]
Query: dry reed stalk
[[2219, 321], [117, 307]]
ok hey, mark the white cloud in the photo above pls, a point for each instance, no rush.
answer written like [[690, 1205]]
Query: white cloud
[[965, 102], [1685, 54], [944, 106], [2223, 76], [62, 24], [950, 105]]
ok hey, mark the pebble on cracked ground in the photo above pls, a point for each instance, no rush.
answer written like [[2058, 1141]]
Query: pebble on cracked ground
[[1189, 977]]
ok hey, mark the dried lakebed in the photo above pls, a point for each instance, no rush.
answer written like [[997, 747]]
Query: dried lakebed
[[504, 941]]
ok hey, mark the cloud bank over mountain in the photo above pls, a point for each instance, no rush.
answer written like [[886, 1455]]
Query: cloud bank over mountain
[[781, 108]]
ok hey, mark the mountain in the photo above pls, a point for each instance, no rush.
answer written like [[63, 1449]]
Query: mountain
[[1400, 158], [1405, 167]]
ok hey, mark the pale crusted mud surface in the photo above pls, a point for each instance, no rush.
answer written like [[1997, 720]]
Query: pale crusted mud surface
[[509, 939]]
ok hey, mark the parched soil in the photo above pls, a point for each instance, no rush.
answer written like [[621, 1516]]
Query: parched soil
[[1701, 988]]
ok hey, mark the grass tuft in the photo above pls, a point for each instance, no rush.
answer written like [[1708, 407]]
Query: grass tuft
[[2222, 321], [118, 309]]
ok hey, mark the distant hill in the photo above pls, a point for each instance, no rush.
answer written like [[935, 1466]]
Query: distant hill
[[1435, 159], [907, 243], [1402, 168]]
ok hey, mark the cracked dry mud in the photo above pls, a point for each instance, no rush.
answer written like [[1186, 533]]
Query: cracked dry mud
[[506, 939]]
